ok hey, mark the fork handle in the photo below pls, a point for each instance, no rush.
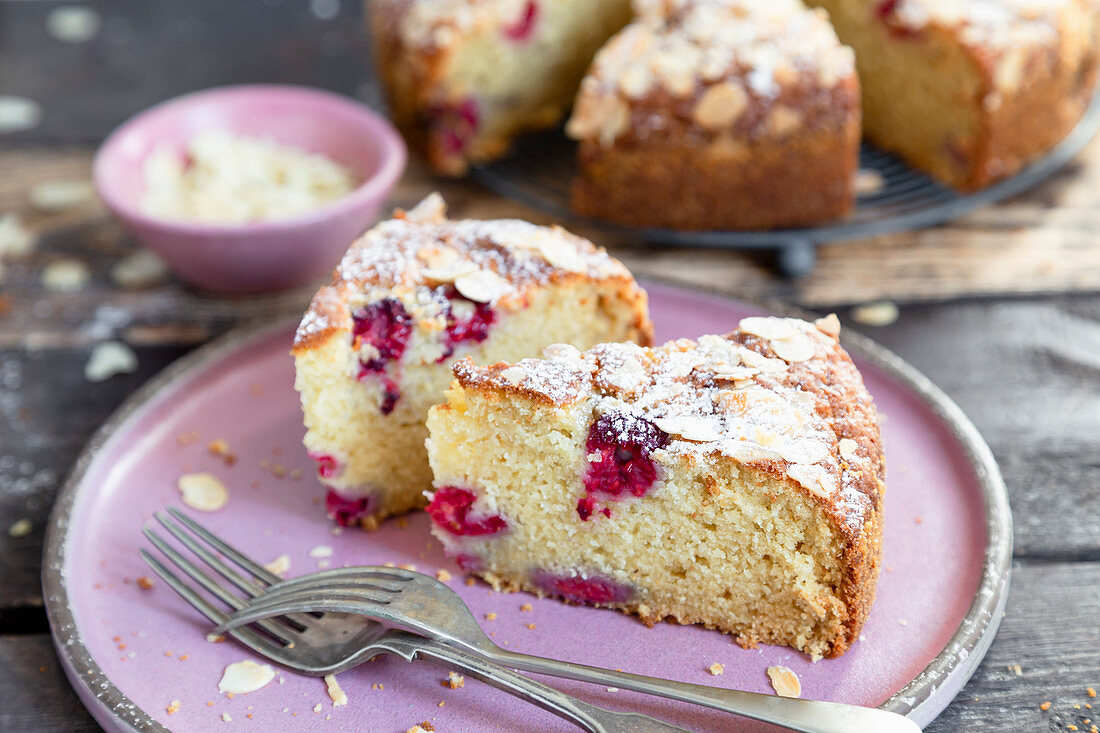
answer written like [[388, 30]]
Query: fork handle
[[586, 716], [808, 716]]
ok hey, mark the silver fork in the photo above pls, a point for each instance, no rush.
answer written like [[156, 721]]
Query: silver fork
[[420, 603], [328, 643]]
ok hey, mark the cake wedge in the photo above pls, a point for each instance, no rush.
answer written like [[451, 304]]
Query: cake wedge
[[734, 481]]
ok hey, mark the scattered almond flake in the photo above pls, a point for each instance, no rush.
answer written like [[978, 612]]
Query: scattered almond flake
[[241, 678], [829, 325], [879, 314], [18, 114], [139, 270], [145, 582], [442, 575], [321, 551], [173, 707], [696, 429], [768, 328], [450, 272], [317, 708], [279, 566], [20, 528], [848, 448], [716, 669], [73, 23], [784, 682], [109, 359], [339, 697], [454, 681], [482, 286], [562, 255], [215, 638], [437, 257], [15, 239], [203, 492], [54, 196], [65, 276], [226, 718], [869, 182], [527, 607], [612, 689]]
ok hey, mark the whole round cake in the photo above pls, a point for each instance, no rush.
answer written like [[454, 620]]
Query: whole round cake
[[735, 481], [412, 295]]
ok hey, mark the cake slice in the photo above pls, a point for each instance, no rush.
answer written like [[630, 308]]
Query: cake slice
[[970, 91], [464, 77], [735, 481], [718, 114], [374, 350]]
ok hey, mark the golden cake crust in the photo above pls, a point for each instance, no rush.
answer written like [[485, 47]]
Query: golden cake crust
[[777, 396]]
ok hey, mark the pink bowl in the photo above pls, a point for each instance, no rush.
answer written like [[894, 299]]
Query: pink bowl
[[260, 256]]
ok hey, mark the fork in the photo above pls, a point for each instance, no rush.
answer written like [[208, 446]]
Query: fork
[[328, 643], [423, 604]]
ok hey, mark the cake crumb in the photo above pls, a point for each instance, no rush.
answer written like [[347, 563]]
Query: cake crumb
[[321, 551], [454, 681], [65, 276], [173, 707], [526, 607], [717, 669], [530, 626], [226, 718], [1017, 670], [339, 697], [402, 523], [407, 566], [1091, 692], [470, 581], [442, 575], [441, 703], [785, 682], [1045, 706], [20, 528], [279, 566], [220, 448], [490, 616], [145, 582], [317, 708], [423, 727], [869, 182], [109, 359]]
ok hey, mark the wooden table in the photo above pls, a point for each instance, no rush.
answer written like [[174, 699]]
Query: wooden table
[[1027, 370]]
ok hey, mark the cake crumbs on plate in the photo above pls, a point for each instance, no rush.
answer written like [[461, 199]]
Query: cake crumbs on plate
[[490, 616], [422, 727], [173, 707], [241, 678], [220, 448], [1091, 692], [145, 582], [402, 523], [1045, 706], [279, 566], [407, 566], [226, 718], [526, 607], [785, 682], [470, 581], [454, 680], [441, 703], [531, 626], [442, 575], [716, 669]]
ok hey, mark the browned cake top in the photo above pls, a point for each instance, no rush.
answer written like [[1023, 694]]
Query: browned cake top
[[1000, 24], [777, 394], [755, 66], [435, 24], [416, 252]]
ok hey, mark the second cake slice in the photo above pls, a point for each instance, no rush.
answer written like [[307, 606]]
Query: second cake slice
[[736, 481]]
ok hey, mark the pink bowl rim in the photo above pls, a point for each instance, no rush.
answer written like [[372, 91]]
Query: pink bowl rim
[[391, 166]]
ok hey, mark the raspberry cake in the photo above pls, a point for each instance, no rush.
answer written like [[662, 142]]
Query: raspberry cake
[[464, 77], [374, 350], [735, 481], [719, 114], [970, 90]]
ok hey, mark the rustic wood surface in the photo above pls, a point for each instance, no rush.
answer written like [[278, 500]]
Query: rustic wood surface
[[1025, 369]]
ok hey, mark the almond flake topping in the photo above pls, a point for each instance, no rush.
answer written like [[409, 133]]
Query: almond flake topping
[[335, 692], [482, 286], [848, 448]]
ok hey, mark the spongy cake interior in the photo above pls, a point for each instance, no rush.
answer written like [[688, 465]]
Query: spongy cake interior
[[712, 543], [342, 415]]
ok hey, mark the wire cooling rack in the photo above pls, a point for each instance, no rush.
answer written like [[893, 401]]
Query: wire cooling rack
[[540, 168]]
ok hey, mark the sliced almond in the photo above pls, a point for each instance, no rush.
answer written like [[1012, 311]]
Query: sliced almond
[[240, 678], [829, 325], [562, 255], [53, 196], [482, 286], [65, 276], [203, 492], [748, 452], [279, 566], [794, 350], [108, 359], [848, 448], [721, 105], [335, 692], [813, 478], [785, 682], [768, 328], [437, 257], [695, 429], [430, 210], [451, 272]]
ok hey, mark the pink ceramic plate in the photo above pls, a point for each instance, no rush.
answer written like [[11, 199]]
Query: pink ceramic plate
[[130, 653]]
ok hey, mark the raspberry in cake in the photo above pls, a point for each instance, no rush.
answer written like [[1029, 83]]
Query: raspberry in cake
[[719, 114], [734, 481], [374, 350], [464, 77], [970, 91]]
